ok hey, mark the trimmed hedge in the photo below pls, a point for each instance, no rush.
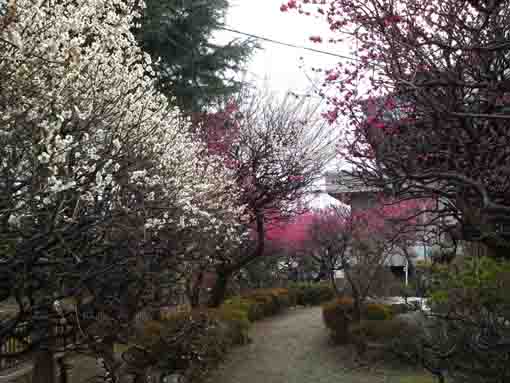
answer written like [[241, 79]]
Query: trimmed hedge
[[418, 379], [388, 339], [254, 310], [271, 301], [400, 308], [187, 343], [384, 331], [258, 304], [338, 316], [377, 311], [236, 321], [261, 303], [310, 294], [192, 342]]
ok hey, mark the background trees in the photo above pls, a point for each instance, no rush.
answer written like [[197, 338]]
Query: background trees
[[275, 149], [193, 69], [314, 241], [365, 243], [360, 244]]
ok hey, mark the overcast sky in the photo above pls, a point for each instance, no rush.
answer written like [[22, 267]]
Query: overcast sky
[[277, 64]]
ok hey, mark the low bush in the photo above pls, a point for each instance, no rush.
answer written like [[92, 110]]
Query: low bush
[[268, 304], [376, 311], [150, 333], [388, 340], [397, 339], [253, 309], [189, 343], [236, 323], [418, 379], [310, 294], [384, 331], [270, 301], [399, 308], [167, 312], [337, 316], [260, 303]]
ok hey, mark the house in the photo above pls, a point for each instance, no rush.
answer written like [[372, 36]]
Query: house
[[350, 190], [360, 196]]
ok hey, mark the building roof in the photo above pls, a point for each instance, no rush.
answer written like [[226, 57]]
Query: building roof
[[344, 183]]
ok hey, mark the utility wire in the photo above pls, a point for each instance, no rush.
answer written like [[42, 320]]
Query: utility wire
[[288, 44]]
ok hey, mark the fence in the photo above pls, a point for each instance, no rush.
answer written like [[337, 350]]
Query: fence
[[64, 337], [12, 346]]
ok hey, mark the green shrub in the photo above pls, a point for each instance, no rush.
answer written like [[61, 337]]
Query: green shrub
[[260, 303], [267, 303], [418, 379], [310, 294], [380, 331], [395, 338], [282, 296], [339, 314], [376, 311], [236, 322], [271, 301], [252, 308], [190, 343], [399, 308]]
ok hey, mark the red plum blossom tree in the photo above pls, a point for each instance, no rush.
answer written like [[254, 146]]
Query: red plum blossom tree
[[425, 98]]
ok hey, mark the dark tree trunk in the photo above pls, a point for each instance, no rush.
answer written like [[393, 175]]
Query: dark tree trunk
[[44, 367], [333, 282], [219, 290], [194, 290], [225, 272], [323, 272], [63, 369], [357, 305]]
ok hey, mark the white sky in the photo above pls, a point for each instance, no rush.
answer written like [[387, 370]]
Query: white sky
[[277, 65]]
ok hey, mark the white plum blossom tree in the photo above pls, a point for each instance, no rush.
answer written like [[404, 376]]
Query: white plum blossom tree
[[97, 171]]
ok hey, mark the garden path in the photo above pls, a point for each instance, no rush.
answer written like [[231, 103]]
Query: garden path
[[295, 348]]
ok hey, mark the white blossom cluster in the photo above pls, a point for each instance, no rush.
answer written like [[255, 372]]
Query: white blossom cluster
[[80, 117]]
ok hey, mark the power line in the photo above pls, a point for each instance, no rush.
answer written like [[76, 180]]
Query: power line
[[288, 44]]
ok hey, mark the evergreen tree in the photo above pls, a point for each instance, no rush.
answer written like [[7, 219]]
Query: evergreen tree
[[193, 69]]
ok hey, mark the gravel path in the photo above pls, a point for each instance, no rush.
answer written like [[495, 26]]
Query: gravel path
[[294, 348]]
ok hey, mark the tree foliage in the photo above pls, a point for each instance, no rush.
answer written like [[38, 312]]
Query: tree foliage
[[359, 243], [101, 180], [467, 337], [426, 99], [276, 149], [193, 68]]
